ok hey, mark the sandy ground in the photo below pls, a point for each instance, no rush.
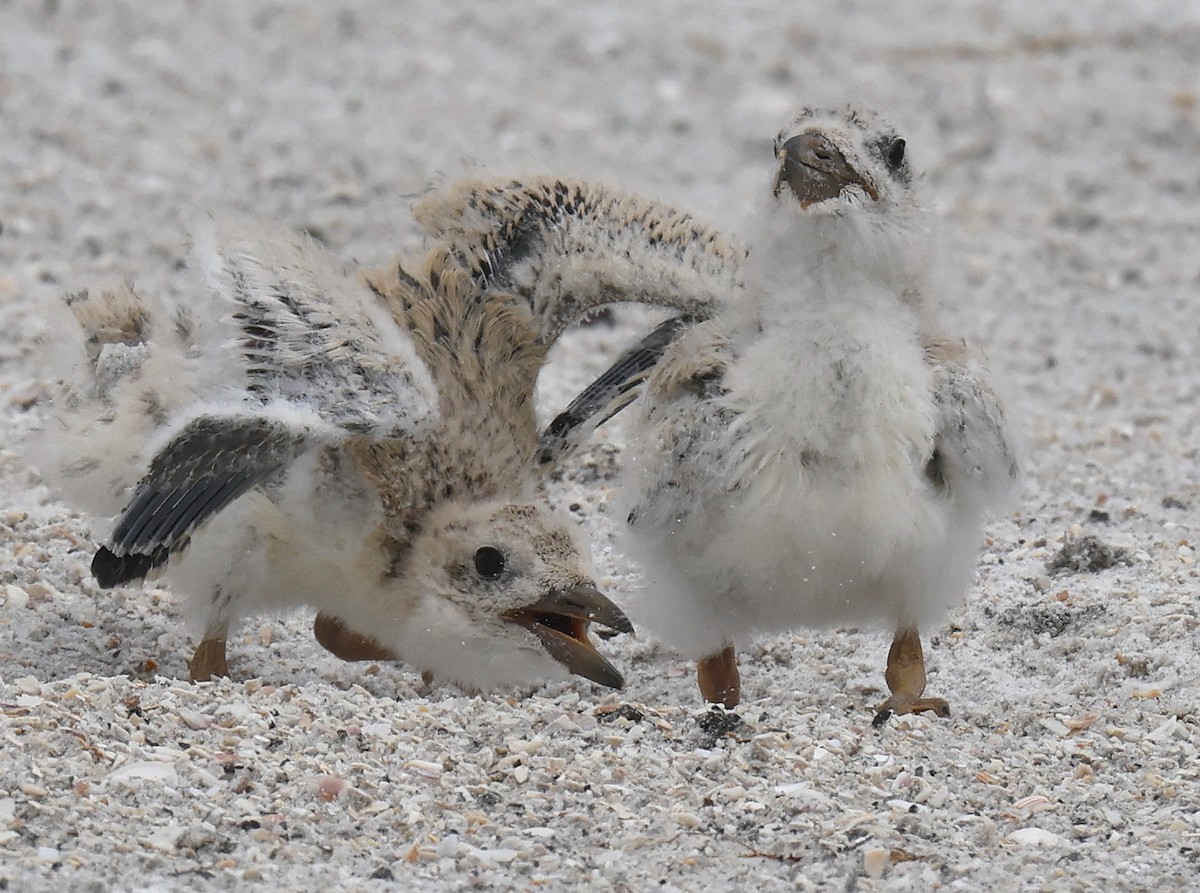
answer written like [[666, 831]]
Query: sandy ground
[[1060, 142]]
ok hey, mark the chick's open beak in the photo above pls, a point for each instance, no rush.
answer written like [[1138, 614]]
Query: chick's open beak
[[560, 620], [815, 170]]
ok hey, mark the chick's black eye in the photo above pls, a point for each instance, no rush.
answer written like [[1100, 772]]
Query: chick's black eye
[[489, 562], [895, 154]]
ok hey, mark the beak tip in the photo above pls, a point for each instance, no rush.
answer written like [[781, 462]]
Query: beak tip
[[583, 604], [622, 624], [610, 679]]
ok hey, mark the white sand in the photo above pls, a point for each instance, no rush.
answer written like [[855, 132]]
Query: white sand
[[1062, 150]]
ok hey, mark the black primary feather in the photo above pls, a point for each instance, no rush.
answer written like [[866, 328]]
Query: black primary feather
[[113, 570], [611, 392], [211, 462]]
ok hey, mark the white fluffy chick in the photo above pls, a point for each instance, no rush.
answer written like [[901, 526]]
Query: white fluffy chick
[[362, 444], [818, 452]]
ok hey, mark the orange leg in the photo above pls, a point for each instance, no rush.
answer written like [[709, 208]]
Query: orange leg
[[718, 678], [333, 636], [209, 659], [905, 677]]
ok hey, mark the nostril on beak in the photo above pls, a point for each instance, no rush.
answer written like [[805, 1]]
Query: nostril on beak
[[811, 148]]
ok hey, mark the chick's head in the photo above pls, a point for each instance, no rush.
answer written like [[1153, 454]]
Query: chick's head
[[833, 161], [506, 597]]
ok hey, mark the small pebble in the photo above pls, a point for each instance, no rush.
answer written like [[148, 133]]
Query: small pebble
[[1166, 731], [42, 591], [1034, 837], [1034, 803], [15, 597], [329, 787], [424, 768], [875, 862], [133, 773], [195, 720]]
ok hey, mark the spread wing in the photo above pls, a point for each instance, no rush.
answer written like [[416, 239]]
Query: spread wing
[[565, 248], [974, 458], [321, 363], [311, 334]]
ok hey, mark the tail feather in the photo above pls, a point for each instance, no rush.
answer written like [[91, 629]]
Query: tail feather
[[111, 400]]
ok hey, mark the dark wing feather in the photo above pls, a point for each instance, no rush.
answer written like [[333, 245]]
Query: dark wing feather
[[614, 389], [211, 462], [323, 362], [111, 570]]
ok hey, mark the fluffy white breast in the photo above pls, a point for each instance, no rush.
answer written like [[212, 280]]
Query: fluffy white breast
[[802, 498]]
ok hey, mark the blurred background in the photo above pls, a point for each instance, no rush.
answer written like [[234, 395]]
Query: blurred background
[[1060, 145]]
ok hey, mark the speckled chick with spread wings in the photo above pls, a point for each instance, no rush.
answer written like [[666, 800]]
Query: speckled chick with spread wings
[[818, 451], [359, 443]]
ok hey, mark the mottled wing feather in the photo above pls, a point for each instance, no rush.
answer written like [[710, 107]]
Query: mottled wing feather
[[974, 458], [313, 333], [614, 389], [210, 462], [323, 362], [682, 406], [565, 247]]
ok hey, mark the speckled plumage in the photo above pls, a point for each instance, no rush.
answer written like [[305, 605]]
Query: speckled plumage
[[357, 442], [817, 451], [565, 247]]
